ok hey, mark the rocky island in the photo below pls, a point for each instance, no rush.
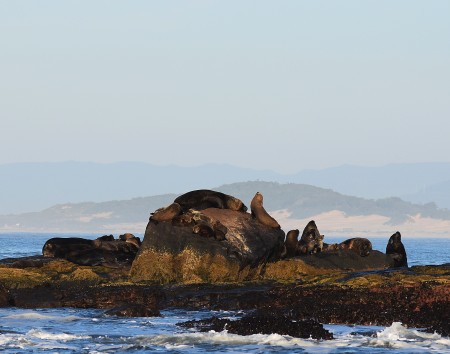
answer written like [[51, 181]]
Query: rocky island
[[205, 250]]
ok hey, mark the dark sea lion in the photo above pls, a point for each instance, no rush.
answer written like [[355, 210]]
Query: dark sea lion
[[127, 237], [311, 240], [203, 230], [81, 251], [106, 238], [167, 213], [260, 214], [291, 243], [397, 250], [59, 246], [201, 224], [205, 198], [327, 247], [220, 230], [361, 246]]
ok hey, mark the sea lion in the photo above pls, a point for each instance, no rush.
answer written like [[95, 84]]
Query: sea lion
[[201, 224], [203, 230], [58, 247], [260, 214], [106, 238], [91, 252], [311, 240], [361, 246], [130, 238], [328, 247], [205, 198], [167, 213], [220, 230], [397, 250], [291, 243]]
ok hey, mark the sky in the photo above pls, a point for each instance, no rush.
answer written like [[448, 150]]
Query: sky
[[279, 85]]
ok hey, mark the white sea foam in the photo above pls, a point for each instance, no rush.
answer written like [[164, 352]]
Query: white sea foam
[[398, 336], [394, 337], [212, 337], [24, 341], [36, 333], [40, 316], [14, 340]]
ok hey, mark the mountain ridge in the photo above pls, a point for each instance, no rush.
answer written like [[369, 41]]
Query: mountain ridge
[[27, 187], [293, 204]]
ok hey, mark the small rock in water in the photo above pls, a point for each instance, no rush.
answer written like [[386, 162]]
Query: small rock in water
[[263, 323], [133, 310]]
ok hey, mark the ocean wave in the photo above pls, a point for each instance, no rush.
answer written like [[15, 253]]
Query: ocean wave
[[25, 341], [395, 336], [40, 316], [179, 340], [398, 336], [36, 333], [14, 340]]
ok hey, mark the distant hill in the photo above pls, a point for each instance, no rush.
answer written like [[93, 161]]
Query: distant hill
[[304, 201], [411, 182], [27, 187], [293, 204], [30, 187]]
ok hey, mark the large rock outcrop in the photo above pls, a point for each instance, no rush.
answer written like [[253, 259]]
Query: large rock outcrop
[[216, 244]]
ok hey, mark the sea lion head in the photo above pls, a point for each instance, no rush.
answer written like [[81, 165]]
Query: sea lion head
[[236, 204], [311, 238], [395, 238], [203, 230], [365, 247]]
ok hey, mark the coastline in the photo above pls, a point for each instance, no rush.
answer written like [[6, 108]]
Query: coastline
[[418, 296]]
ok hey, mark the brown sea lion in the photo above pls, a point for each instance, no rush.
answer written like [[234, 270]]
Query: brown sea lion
[[361, 246], [397, 250], [220, 230], [81, 251], [291, 243], [198, 220], [167, 213], [260, 213], [59, 246], [311, 240], [327, 247], [203, 230], [205, 198], [106, 238], [130, 238]]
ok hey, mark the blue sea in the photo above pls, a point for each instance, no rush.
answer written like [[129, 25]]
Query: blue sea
[[70, 330]]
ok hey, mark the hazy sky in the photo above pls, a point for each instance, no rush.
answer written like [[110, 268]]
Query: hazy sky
[[281, 85]]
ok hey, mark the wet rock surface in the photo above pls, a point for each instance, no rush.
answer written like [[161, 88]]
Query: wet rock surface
[[417, 296], [264, 322]]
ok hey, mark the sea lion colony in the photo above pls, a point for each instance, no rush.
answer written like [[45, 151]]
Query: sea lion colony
[[186, 211]]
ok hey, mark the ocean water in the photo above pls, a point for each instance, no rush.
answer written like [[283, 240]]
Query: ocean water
[[69, 330]]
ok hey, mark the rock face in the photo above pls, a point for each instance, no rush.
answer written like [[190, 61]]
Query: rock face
[[211, 245]]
